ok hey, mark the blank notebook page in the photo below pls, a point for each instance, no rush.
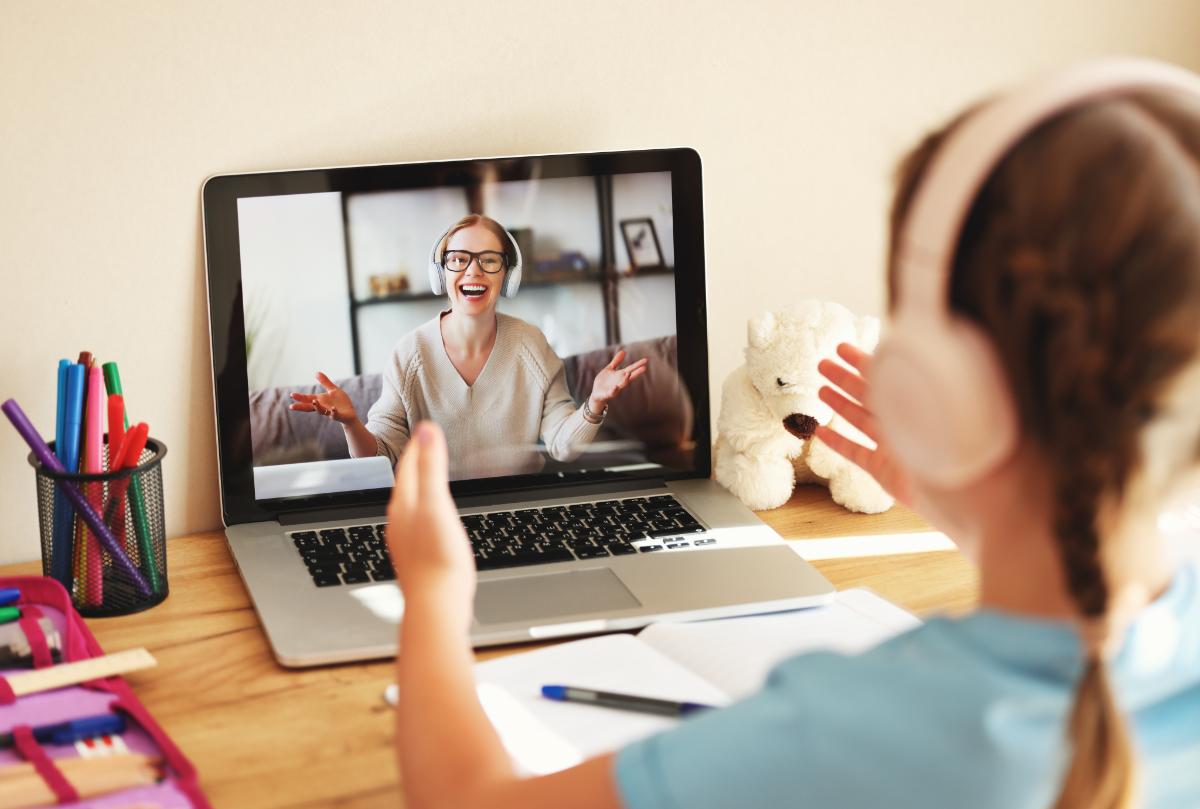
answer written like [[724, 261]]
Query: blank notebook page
[[736, 654], [544, 736]]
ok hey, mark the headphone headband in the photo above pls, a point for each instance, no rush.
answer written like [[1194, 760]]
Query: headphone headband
[[960, 167]]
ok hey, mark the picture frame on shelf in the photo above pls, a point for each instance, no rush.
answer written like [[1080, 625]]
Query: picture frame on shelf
[[641, 244]]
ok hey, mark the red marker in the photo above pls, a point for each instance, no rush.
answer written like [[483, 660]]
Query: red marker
[[131, 451], [134, 443], [116, 429], [116, 437]]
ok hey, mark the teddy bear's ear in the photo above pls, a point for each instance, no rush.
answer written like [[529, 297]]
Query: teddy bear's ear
[[868, 332], [761, 330]]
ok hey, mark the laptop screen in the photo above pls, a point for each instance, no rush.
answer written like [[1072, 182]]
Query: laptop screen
[[515, 302]]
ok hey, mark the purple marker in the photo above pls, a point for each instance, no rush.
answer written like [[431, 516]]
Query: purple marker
[[46, 458]]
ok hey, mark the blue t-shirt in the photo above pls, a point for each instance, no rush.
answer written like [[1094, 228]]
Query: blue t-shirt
[[956, 713]]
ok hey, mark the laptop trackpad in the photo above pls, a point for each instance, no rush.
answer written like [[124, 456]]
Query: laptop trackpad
[[551, 595]]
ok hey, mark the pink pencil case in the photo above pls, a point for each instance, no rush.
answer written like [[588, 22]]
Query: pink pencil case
[[44, 599]]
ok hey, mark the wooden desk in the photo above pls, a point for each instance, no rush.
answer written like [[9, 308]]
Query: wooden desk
[[264, 736]]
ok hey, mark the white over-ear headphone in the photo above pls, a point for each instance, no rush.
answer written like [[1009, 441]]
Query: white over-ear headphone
[[512, 275], [937, 387]]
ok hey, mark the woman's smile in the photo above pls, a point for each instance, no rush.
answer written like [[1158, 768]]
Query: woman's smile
[[472, 290]]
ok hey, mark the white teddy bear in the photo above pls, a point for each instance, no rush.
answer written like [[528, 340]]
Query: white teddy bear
[[769, 409]]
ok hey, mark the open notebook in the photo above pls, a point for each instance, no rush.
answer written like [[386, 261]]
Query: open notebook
[[713, 662]]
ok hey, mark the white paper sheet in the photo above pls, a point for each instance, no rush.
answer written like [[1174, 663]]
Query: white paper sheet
[[543, 736], [736, 654]]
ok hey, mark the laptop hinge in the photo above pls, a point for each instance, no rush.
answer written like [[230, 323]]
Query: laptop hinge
[[374, 513], [557, 492]]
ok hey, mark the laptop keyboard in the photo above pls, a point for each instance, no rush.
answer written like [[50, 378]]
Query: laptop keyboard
[[501, 539]]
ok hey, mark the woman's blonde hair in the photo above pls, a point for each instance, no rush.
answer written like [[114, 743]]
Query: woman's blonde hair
[[1081, 261]]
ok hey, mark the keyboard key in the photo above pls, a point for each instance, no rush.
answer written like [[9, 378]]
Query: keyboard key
[[497, 562], [357, 576], [305, 539], [650, 548], [384, 574], [326, 580], [319, 556], [590, 552]]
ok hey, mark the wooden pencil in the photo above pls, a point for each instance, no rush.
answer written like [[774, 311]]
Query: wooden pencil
[[22, 787]]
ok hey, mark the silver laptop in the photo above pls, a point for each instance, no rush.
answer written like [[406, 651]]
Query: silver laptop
[[333, 271]]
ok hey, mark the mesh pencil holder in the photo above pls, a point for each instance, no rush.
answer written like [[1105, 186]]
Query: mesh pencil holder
[[120, 569]]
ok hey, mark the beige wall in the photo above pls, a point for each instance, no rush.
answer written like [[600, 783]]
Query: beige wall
[[112, 114]]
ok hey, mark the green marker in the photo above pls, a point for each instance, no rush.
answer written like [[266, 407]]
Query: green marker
[[9, 614], [141, 525]]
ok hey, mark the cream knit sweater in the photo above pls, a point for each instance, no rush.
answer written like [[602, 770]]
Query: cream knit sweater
[[492, 427]]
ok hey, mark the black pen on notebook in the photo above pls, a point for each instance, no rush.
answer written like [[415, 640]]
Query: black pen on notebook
[[624, 702]]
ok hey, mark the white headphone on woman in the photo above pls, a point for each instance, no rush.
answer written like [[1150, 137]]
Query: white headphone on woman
[[937, 386], [512, 275]]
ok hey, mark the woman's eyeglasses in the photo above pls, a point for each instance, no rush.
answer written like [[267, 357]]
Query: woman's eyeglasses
[[489, 261]]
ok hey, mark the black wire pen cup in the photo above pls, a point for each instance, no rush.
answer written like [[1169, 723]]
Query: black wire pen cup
[[126, 571]]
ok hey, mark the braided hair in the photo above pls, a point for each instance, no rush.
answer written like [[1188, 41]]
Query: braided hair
[[1080, 259]]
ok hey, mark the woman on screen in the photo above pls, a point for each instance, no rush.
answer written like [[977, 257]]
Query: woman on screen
[[491, 381]]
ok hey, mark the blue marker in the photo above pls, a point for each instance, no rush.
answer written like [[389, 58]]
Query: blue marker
[[60, 426], [9, 595], [74, 730], [62, 509], [67, 451]]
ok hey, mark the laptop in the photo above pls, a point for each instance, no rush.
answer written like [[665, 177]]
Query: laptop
[[333, 271]]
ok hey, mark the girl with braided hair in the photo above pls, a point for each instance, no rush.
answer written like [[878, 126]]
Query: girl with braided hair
[[1077, 683]]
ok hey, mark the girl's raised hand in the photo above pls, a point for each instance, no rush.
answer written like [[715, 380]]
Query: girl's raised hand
[[429, 546], [334, 403], [847, 400]]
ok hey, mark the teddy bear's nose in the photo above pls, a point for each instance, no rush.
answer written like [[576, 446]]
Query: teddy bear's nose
[[780, 382]]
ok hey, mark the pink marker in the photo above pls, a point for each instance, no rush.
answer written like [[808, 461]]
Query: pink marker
[[93, 460]]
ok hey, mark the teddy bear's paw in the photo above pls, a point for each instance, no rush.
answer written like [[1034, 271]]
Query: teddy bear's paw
[[760, 483], [857, 491]]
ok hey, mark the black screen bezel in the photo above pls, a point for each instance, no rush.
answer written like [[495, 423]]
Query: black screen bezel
[[226, 325]]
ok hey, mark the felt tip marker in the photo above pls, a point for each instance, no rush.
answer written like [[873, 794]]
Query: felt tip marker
[[74, 730], [623, 702]]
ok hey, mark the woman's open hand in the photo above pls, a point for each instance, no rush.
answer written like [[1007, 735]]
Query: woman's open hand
[[879, 463], [334, 402], [429, 546], [613, 379]]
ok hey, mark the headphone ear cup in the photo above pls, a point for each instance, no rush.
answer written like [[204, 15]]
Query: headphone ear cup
[[437, 281], [943, 403], [512, 277], [512, 282]]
